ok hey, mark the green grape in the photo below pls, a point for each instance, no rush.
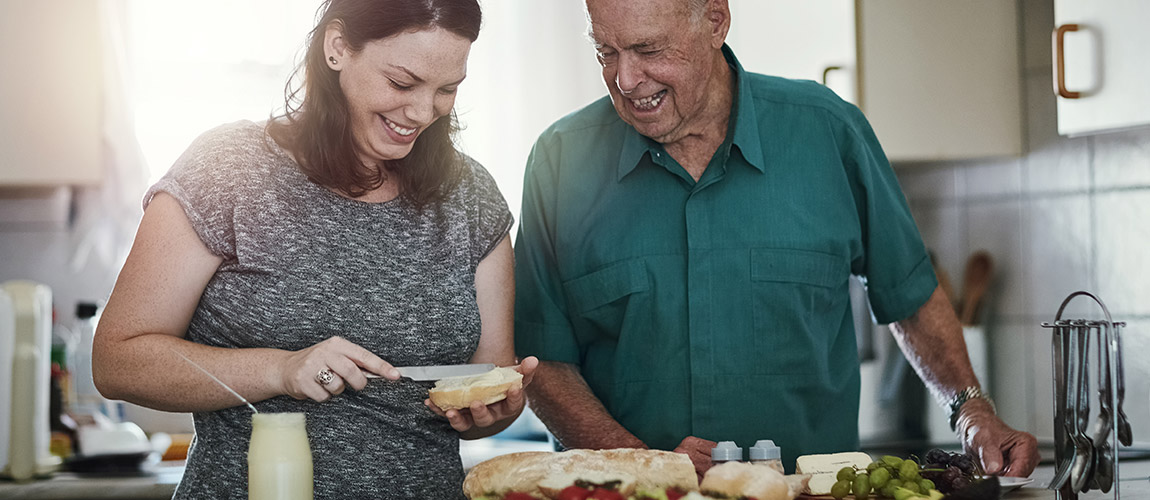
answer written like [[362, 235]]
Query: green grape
[[912, 486], [894, 481], [861, 487], [846, 474], [840, 489], [908, 471], [887, 491], [892, 460], [926, 485], [879, 478], [870, 468]]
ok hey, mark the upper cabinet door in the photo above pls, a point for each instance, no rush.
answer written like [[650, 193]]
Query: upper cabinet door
[[51, 93], [1100, 51], [937, 80]]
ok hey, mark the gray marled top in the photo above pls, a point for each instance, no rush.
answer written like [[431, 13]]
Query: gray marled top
[[302, 264]]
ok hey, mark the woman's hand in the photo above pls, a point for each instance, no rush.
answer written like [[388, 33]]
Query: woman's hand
[[327, 368], [481, 415]]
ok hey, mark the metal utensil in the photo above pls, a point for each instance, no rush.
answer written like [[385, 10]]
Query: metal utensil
[[1079, 415], [1103, 477], [1125, 434], [1059, 358], [428, 373]]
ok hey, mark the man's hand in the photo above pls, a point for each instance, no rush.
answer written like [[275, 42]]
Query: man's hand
[[1002, 450], [699, 450]]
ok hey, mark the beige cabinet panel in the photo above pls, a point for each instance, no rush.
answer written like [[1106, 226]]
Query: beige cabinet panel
[[50, 93], [937, 80]]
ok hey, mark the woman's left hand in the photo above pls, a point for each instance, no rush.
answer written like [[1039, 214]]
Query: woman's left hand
[[481, 415]]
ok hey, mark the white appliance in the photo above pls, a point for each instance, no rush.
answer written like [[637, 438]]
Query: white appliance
[[26, 331]]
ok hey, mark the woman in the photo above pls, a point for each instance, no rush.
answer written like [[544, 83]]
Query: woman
[[347, 235]]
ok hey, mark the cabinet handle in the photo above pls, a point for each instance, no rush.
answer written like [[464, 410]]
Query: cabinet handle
[[1060, 62], [828, 69]]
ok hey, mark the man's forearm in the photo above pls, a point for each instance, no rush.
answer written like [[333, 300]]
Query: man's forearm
[[932, 341], [563, 401]]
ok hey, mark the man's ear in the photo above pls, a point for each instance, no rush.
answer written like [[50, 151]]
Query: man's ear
[[718, 17], [334, 47]]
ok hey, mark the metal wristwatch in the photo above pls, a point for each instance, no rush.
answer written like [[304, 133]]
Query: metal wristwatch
[[961, 398]]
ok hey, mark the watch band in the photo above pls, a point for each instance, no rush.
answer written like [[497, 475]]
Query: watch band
[[961, 398]]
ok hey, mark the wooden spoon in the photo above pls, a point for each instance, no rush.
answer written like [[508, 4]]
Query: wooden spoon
[[975, 282]]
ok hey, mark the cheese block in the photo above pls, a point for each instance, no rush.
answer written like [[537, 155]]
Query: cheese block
[[824, 468]]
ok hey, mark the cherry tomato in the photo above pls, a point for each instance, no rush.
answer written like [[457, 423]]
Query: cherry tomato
[[515, 495], [574, 493], [602, 494]]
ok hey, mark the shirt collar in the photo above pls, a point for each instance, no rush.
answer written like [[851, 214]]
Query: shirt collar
[[746, 136]]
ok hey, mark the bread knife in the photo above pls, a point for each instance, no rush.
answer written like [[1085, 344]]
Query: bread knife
[[428, 373]]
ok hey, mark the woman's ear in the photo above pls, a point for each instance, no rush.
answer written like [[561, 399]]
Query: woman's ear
[[334, 47]]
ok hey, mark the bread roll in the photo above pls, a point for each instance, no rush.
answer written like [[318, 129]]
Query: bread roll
[[454, 393], [525, 471], [739, 479]]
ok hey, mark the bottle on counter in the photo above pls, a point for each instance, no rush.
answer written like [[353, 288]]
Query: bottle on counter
[[726, 451], [764, 452], [279, 458]]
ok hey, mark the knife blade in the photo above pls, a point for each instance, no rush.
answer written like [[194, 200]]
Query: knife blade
[[428, 373]]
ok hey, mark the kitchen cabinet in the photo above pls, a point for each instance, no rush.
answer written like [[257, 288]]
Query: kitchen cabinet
[[51, 94], [937, 80], [1100, 75]]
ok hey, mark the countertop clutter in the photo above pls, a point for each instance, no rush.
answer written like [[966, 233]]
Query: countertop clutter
[[161, 483]]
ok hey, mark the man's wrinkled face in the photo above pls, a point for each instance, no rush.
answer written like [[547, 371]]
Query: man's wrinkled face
[[656, 62]]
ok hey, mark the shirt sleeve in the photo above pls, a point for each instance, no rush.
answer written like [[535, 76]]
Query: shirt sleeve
[[542, 326], [201, 182], [494, 218], [894, 263]]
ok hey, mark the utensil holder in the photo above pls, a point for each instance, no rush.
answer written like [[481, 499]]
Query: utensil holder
[[1085, 453]]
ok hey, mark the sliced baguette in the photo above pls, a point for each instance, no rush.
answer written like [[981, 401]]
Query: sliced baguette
[[454, 393], [531, 472], [740, 479]]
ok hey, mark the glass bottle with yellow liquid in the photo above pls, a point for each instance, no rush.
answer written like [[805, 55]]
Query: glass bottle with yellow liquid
[[279, 458]]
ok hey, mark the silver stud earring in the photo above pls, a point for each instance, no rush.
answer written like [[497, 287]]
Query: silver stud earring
[[331, 59]]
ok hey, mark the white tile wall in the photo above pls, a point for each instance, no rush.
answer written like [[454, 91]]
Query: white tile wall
[[1122, 233], [998, 177], [996, 226], [1057, 251], [1122, 159]]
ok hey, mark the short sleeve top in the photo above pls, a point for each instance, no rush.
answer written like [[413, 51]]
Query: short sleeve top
[[720, 307], [302, 264]]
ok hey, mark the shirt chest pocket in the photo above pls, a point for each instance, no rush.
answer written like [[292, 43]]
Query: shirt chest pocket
[[601, 298], [800, 300]]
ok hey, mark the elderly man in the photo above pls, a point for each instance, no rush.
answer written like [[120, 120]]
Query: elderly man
[[685, 248]]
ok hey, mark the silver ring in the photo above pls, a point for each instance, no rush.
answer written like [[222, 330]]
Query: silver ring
[[325, 376]]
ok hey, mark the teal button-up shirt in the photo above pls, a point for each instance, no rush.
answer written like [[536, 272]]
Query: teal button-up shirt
[[717, 308]]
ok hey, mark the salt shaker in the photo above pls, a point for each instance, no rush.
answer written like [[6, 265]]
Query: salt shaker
[[765, 452], [726, 451]]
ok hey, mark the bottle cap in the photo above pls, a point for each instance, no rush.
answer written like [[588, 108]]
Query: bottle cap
[[85, 310], [765, 449], [726, 451]]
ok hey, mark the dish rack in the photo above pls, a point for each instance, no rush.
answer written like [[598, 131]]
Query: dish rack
[[1086, 446]]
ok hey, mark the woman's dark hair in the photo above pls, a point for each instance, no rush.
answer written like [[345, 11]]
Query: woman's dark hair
[[316, 125]]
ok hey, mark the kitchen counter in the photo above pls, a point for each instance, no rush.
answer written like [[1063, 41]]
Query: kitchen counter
[[1135, 484], [160, 483]]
